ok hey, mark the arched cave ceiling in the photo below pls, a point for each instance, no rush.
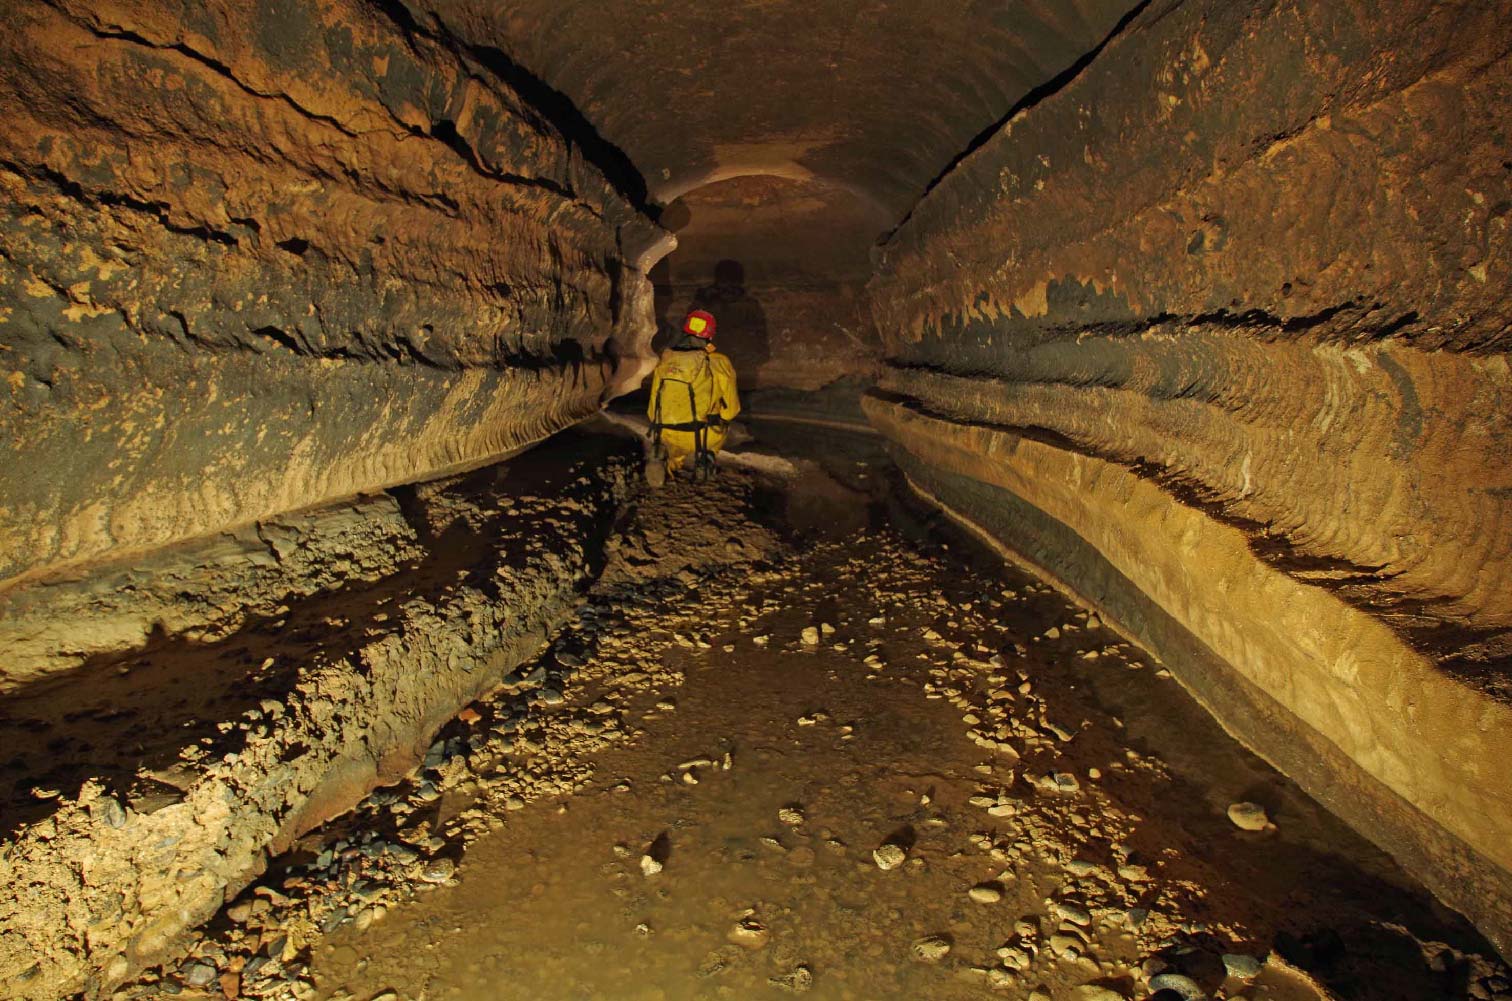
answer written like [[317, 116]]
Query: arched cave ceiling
[[781, 230], [876, 95]]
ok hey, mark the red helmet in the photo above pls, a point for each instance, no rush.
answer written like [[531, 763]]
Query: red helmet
[[700, 324]]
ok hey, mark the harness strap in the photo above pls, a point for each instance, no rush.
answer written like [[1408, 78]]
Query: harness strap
[[703, 457]]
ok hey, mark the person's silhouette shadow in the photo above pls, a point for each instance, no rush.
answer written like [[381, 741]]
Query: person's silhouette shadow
[[742, 325]]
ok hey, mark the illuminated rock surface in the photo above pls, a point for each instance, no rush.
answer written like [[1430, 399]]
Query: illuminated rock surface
[[1196, 311]]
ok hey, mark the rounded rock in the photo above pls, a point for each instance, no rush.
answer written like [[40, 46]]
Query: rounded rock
[[437, 870], [1072, 913], [109, 810], [1241, 966], [1096, 992], [931, 948], [750, 933], [1248, 816], [1181, 985], [986, 893]]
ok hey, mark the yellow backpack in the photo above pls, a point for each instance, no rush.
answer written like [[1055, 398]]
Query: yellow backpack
[[685, 393]]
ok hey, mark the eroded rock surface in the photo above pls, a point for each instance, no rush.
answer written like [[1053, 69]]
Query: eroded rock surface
[[198, 591], [148, 787], [1215, 332], [256, 257]]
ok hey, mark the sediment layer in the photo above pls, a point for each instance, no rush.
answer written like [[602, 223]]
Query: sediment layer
[[260, 257]]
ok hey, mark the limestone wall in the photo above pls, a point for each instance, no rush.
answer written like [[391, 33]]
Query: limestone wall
[[1216, 333], [257, 256], [214, 753]]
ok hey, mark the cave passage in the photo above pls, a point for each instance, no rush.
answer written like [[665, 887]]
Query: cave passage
[[798, 734], [1105, 592]]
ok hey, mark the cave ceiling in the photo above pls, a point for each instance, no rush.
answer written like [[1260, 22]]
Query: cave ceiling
[[871, 99]]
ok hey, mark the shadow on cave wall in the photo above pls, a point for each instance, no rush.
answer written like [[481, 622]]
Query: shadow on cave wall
[[741, 319]]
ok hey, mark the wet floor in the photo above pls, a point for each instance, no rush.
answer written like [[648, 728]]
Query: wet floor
[[956, 785]]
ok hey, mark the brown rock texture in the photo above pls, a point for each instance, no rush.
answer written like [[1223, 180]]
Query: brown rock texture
[[1215, 332], [164, 800], [198, 591], [255, 257]]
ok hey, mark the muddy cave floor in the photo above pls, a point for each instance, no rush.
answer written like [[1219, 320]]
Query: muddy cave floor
[[803, 737]]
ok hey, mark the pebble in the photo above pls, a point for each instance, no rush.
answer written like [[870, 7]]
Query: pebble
[[1015, 958], [889, 856], [200, 974], [750, 933], [1185, 987], [1241, 966], [109, 810], [1057, 782], [1068, 946], [1072, 913], [986, 893], [800, 981], [810, 636], [931, 948], [790, 815], [437, 870], [1000, 979], [1248, 816], [650, 866]]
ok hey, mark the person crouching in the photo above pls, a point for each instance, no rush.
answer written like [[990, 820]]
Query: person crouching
[[693, 400]]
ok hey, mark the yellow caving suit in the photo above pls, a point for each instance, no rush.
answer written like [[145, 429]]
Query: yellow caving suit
[[711, 379]]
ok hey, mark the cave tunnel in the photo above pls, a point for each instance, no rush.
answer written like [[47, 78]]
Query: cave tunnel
[[1102, 593]]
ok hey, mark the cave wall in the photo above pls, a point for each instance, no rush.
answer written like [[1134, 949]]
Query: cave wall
[[255, 257], [1214, 332]]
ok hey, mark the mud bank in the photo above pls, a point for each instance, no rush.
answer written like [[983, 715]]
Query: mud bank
[[147, 787]]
